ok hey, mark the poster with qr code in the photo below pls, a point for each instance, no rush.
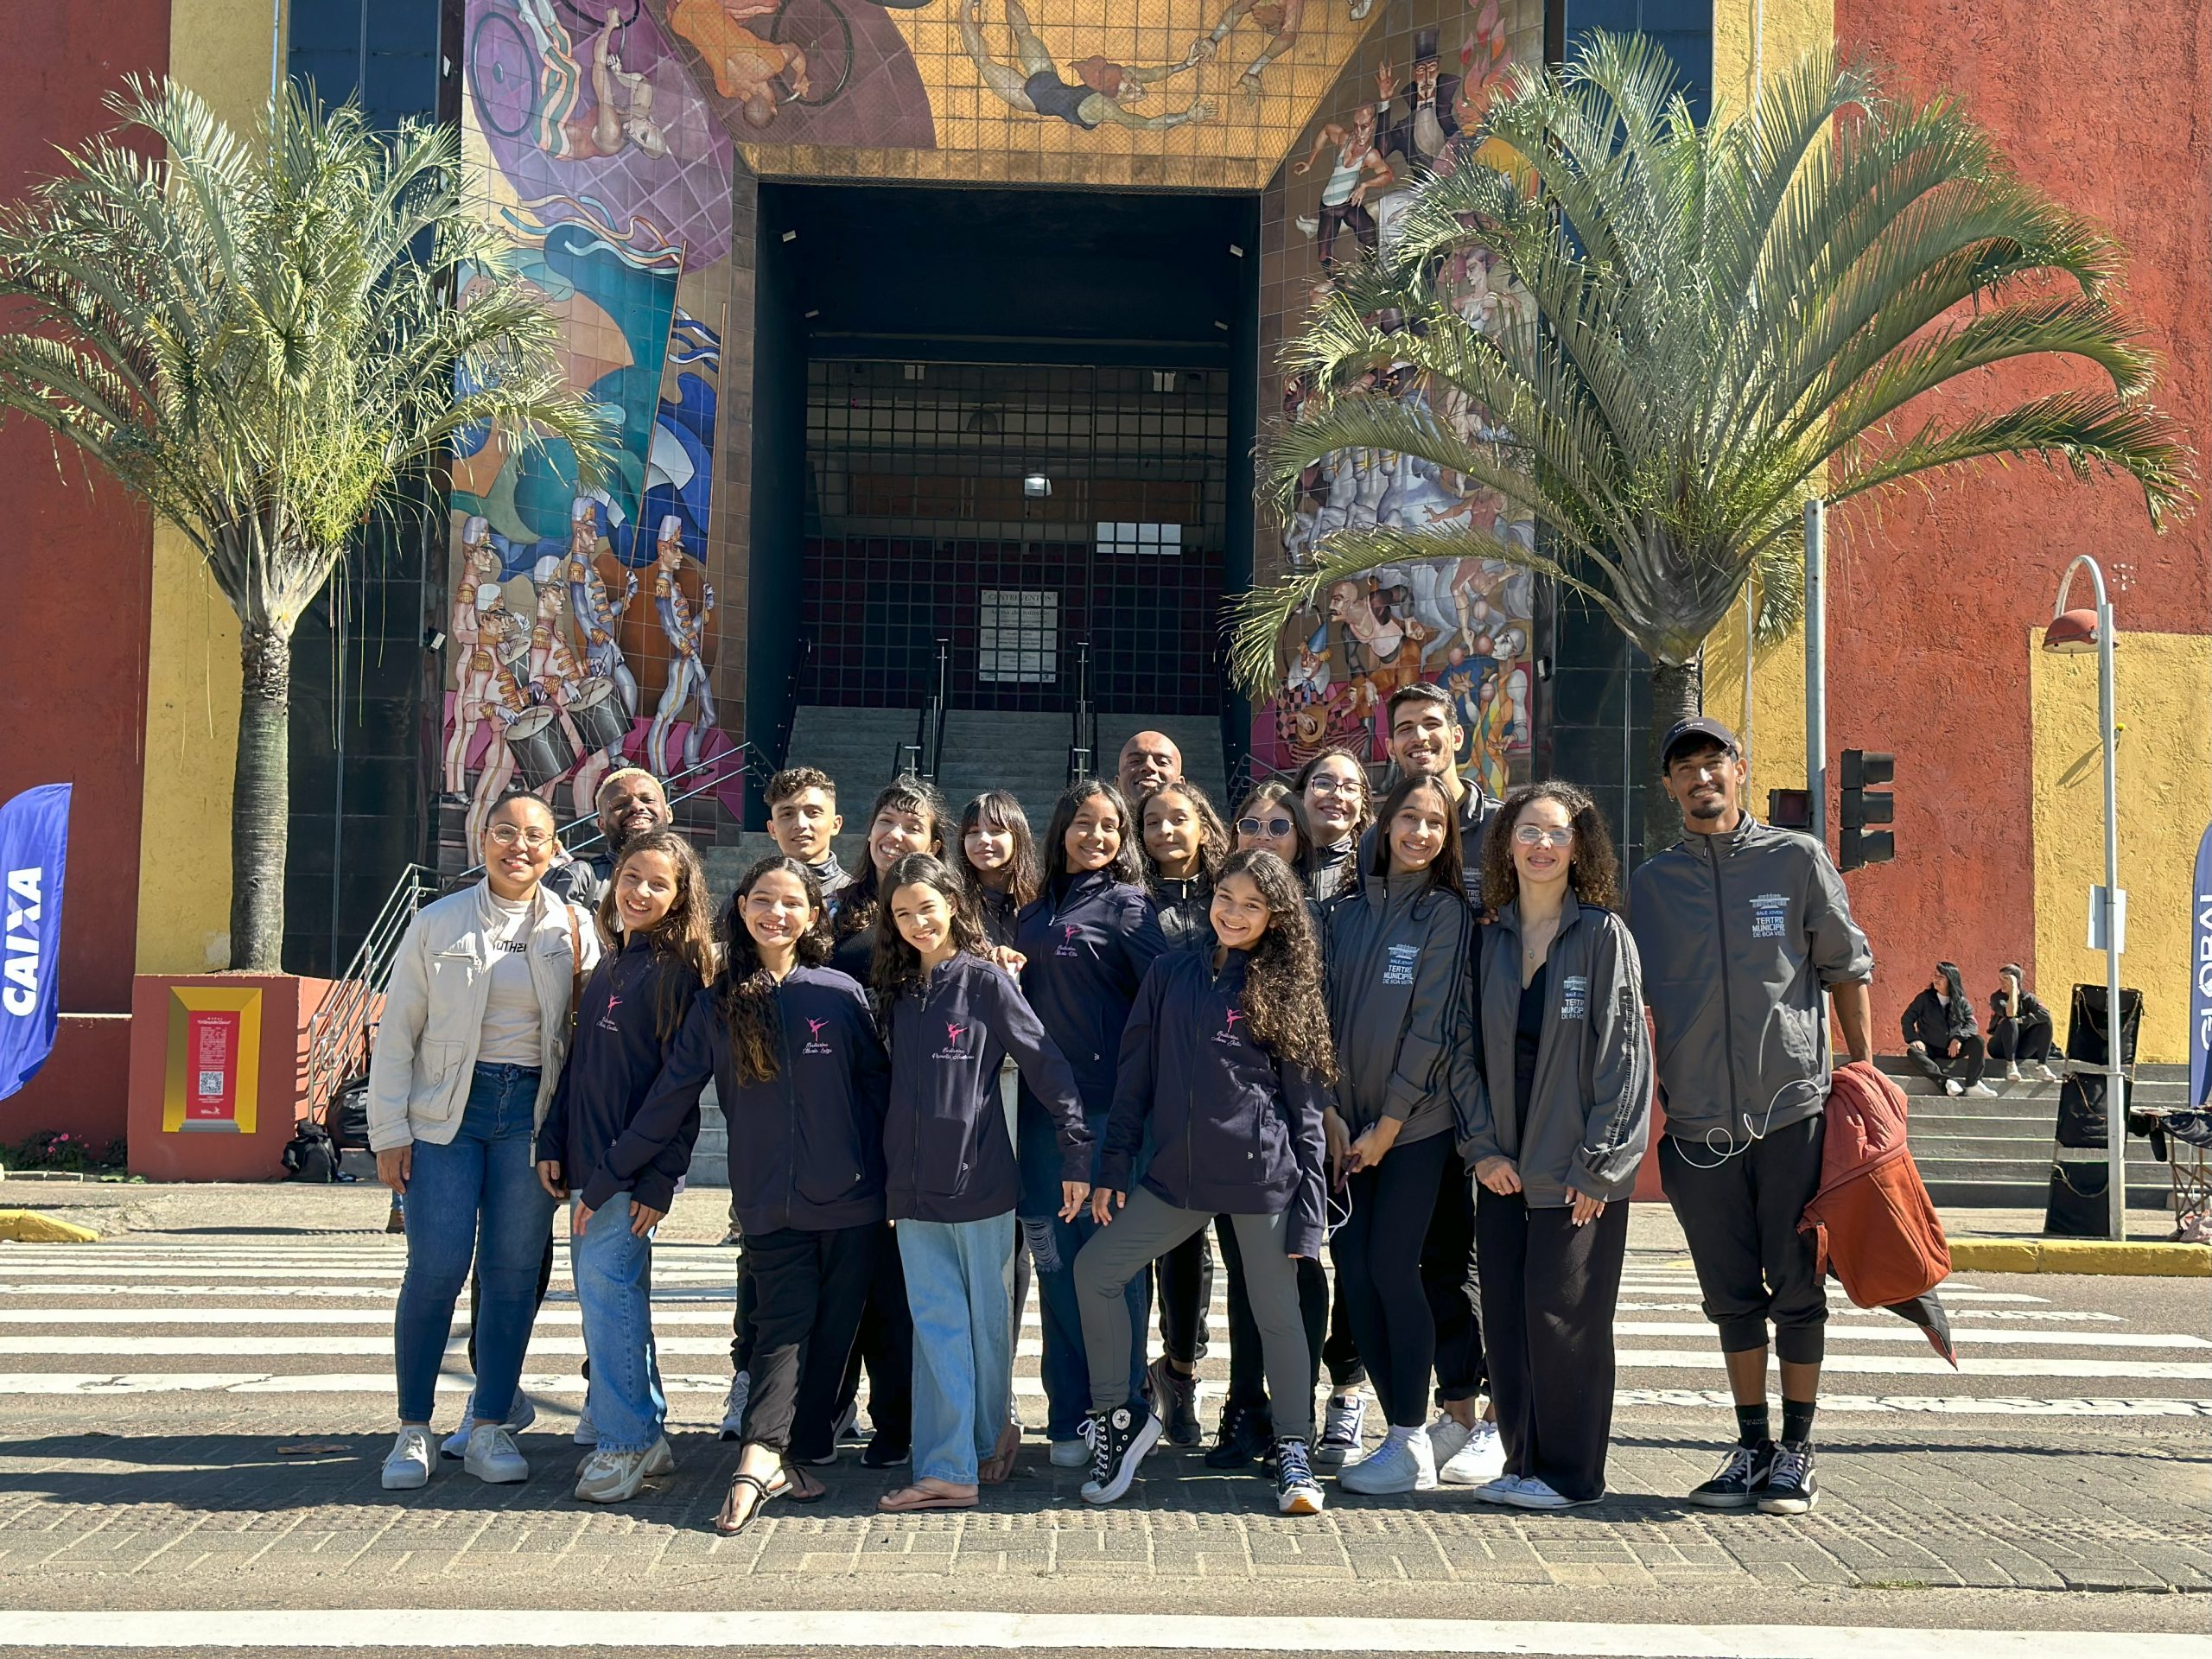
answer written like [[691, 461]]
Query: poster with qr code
[[213, 1073]]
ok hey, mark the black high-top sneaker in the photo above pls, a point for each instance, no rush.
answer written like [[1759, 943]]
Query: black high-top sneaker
[[1790, 1488], [1741, 1479], [1296, 1490], [1119, 1439]]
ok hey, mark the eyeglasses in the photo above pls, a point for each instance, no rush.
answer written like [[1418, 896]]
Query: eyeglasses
[[1321, 784], [1530, 835], [506, 835], [1264, 827]]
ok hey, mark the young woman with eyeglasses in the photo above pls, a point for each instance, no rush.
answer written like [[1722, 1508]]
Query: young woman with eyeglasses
[[1333, 788], [1271, 820], [1397, 963], [468, 1052], [1555, 1132]]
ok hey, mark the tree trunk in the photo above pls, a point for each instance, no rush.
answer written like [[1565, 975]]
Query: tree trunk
[[261, 800], [1677, 692]]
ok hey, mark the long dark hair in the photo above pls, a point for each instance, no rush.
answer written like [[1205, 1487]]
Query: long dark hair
[[1127, 866], [745, 993], [683, 941], [896, 964], [857, 903], [1213, 834], [1274, 791], [1594, 872], [1283, 1003], [1446, 870], [1958, 1009], [997, 809], [1338, 751]]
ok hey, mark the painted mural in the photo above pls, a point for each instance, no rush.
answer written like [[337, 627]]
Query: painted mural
[[583, 624], [1405, 106]]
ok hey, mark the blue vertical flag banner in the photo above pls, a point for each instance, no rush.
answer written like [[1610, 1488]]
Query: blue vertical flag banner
[[34, 848], [2199, 977]]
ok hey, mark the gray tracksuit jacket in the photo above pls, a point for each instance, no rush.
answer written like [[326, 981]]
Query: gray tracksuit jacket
[[1397, 958], [1740, 935], [1590, 1102]]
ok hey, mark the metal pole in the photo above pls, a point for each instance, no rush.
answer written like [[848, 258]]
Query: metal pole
[[1816, 668], [2116, 1083]]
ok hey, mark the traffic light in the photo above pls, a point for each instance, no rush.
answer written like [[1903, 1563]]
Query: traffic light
[[1862, 805], [1789, 809]]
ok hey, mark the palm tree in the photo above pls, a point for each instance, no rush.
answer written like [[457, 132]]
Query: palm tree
[[1732, 318], [259, 340]]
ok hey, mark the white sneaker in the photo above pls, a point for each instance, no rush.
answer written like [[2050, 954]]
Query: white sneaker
[[407, 1465], [849, 1425], [519, 1417], [1447, 1434], [587, 1430], [1982, 1091], [492, 1455], [740, 1390], [1069, 1454], [1398, 1464], [1535, 1494], [1954, 1088], [660, 1460], [1480, 1460], [2012, 1073], [1500, 1491], [611, 1477], [2050, 1074]]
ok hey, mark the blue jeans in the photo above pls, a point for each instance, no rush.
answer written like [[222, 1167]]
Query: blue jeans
[[613, 1271], [1065, 1370], [476, 1196], [956, 1288]]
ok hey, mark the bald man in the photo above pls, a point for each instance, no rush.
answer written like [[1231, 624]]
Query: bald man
[[1149, 760]]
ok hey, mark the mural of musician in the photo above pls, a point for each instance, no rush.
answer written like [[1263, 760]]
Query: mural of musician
[[505, 708], [475, 656], [686, 630]]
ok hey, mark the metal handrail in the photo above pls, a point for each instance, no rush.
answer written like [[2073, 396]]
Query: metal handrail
[[1083, 724], [338, 1031], [942, 699]]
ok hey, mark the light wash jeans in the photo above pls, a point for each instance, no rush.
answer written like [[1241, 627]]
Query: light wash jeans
[[958, 1290], [476, 1196], [613, 1271]]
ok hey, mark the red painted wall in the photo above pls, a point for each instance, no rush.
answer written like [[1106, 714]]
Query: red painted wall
[[2104, 108], [75, 566]]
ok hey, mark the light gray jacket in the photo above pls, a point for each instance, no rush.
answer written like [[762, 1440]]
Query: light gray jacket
[[433, 1018], [1590, 1102], [1741, 935]]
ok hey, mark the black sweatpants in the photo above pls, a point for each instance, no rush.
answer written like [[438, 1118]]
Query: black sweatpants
[[1740, 1215], [808, 1291], [2021, 1041], [1377, 1252], [1449, 1280], [885, 1346], [1964, 1067], [1248, 1380], [1184, 1278], [1549, 1289]]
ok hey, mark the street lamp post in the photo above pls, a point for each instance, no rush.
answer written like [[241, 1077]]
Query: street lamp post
[[2077, 633]]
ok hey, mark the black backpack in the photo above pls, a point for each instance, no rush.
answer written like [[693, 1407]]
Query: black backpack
[[309, 1155], [348, 1116]]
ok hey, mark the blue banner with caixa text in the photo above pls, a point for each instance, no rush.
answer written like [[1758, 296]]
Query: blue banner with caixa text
[[2199, 977], [34, 848]]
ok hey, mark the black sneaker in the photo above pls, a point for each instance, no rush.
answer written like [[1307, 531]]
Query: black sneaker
[[1247, 1433], [1119, 1439], [1175, 1397], [1737, 1485], [1296, 1490], [883, 1452], [1789, 1488]]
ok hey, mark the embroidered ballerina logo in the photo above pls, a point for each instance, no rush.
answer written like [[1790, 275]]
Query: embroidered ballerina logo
[[952, 1051], [814, 1043], [606, 1014], [954, 1034], [814, 1027], [1233, 1016], [1227, 1034]]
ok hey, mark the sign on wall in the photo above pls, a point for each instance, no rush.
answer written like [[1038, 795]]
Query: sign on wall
[[211, 1080], [34, 848]]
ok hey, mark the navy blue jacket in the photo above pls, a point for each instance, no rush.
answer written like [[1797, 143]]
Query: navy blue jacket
[[1089, 946], [1234, 1130], [605, 1127], [946, 1146], [806, 1146]]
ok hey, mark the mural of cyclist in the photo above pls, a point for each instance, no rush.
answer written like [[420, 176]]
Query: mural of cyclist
[[1099, 94], [754, 72]]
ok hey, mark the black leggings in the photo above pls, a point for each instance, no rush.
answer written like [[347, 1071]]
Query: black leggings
[[808, 1289], [1448, 1278], [2024, 1039], [887, 1347], [1964, 1067], [1185, 1279], [1377, 1253]]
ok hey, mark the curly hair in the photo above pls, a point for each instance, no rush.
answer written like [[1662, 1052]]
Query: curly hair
[[897, 964], [1270, 792], [1283, 1003], [1446, 870], [745, 993], [683, 940], [1594, 872], [858, 904], [1127, 866], [1213, 834], [998, 810], [1338, 751]]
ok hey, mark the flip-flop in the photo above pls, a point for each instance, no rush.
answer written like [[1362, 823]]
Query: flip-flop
[[999, 1465], [920, 1499], [760, 1502]]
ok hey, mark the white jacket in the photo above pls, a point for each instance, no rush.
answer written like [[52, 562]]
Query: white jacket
[[433, 1022]]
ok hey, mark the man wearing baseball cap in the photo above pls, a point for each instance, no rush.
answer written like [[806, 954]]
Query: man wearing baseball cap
[[1744, 930]]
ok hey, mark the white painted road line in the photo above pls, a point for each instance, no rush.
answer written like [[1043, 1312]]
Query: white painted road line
[[443, 1630]]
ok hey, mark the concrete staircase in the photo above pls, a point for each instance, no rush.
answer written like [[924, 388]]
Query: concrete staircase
[[1997, 1153]]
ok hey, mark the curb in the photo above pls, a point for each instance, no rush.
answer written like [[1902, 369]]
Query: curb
[[2081, 1255], [30, 1227]]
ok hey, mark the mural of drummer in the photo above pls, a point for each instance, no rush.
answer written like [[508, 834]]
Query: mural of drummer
[[599, 615], [1100, 93], [504, 704], [686, 632], [555, 678], [475, 596]]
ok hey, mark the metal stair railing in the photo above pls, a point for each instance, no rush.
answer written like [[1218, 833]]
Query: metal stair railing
[[339, 1032], [1082, 729]]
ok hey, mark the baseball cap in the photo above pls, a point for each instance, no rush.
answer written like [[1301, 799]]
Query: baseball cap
[[1697, 726]]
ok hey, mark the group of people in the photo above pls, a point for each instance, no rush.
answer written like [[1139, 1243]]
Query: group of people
[[1943, 1040], [1411, 1031]]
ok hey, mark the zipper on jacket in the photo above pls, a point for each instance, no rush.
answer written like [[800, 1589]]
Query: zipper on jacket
[[1727, 1003], [790, 1103]]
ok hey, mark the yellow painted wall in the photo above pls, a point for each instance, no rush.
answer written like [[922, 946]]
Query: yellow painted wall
[[1749, 36], [220, 50], [2165, 770]]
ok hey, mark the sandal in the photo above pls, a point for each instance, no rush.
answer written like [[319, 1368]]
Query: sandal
[[910, 1500], [1000, 1464], [796, 1485], [763, 1491]]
